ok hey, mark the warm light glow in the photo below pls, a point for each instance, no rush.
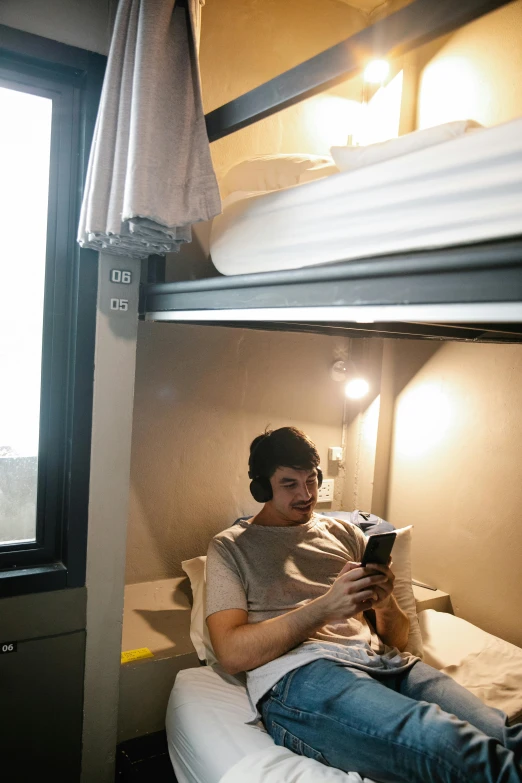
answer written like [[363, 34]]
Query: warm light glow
[[450, 89], [423, 417], [356, 388], [381, 115], [326, 121], [376, 72]]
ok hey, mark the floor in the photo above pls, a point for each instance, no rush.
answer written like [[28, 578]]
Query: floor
[[144, 760]]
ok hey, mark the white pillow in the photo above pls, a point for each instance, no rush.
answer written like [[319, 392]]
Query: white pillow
[[403, 588], [195, 570], [403, 591], [264, 173], [350, 158]]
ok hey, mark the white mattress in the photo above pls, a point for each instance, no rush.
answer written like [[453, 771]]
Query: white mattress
[[209, 741], [206, 725], [462, 191]]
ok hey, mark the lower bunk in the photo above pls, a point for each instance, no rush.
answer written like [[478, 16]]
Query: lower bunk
[[209, 741]]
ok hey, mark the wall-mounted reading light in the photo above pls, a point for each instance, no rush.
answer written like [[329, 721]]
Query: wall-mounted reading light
[[355, 387], [376, 72]]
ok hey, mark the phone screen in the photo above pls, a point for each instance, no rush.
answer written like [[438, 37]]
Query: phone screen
[[378, 548]]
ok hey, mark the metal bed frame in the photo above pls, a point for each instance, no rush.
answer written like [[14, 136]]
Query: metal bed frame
[[471, 292]]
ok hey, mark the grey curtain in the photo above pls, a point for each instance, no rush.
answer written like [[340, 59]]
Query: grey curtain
[[150, 174]]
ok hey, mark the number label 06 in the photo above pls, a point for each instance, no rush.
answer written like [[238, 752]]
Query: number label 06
[[121, 276]]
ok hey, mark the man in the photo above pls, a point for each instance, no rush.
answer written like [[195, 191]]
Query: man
[[322, 640]]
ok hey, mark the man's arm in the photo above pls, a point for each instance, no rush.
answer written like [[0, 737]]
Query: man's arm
[[391, 623], [241, 646]]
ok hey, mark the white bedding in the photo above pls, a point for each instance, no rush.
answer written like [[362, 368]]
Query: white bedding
[[465, 190], [487, 666], [206, 726], [279, 765], [209, 741]]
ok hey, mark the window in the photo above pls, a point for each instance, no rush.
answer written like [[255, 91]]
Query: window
[[48, 101], [25, 147]]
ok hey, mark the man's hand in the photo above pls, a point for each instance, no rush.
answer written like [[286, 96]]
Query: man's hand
[[383, 589], [356, 590], [392, 624]]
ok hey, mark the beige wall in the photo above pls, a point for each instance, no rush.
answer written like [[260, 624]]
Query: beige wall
[[456, 475], [83, 23], [202, 395], [261, 39], [361, 423], [476, 74]]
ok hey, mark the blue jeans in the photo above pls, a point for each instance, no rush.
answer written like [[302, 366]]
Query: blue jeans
[[418, 726]]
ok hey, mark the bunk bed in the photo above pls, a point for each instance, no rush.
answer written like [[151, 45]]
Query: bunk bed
[[469, 290]]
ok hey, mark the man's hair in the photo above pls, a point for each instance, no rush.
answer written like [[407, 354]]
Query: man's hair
[[286, 447]]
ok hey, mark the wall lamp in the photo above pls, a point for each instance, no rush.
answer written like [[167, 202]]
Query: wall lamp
[[355, 386], [376, 72]]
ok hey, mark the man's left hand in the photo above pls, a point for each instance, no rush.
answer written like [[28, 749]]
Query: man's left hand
[[384, 589]]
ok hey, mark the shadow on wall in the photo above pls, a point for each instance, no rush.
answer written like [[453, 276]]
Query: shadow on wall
[[193, 261], [419, 354], [164, 622]]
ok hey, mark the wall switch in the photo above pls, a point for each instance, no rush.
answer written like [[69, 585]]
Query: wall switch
[[326, 491], [335, 453]]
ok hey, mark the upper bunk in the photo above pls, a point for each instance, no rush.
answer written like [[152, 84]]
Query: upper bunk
[[424, 245]]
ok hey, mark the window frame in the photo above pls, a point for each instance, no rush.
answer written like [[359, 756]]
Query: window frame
[[73, 78]]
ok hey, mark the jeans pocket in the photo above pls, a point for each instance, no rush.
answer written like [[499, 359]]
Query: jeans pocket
[[286, 739]]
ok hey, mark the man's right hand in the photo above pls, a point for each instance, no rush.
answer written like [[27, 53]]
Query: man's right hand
[[352, 592]]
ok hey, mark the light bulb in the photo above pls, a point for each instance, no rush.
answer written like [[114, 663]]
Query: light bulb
[[376, 71], [357, 388]]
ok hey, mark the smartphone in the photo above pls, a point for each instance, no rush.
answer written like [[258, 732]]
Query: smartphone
[[378, 548]]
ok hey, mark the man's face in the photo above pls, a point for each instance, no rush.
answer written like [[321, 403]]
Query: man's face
[[295, 494]]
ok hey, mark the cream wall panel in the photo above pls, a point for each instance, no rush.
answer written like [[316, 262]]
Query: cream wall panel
[[83, 23], [202, 395], [476, 74], [456, 475]]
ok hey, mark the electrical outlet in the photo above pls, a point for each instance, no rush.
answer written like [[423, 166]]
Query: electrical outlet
[[326, 491]]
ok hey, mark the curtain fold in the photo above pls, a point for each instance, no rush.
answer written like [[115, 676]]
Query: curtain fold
[[150, 173]]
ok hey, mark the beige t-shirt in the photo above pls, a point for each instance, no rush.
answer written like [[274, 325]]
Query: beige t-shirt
[[268, 571]]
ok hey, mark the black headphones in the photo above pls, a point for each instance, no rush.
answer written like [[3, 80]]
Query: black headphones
[[261, 488]]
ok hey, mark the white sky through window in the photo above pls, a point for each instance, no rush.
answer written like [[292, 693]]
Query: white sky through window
[[25, 137]]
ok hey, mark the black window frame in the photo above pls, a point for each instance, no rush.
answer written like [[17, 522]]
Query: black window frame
[[73, 77]]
